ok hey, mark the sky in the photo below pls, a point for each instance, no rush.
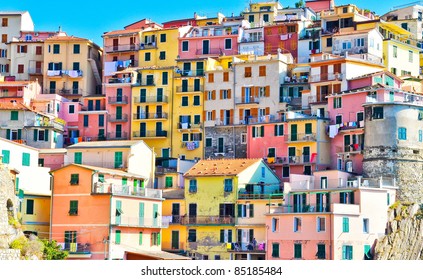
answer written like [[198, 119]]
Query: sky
[[90, 19]]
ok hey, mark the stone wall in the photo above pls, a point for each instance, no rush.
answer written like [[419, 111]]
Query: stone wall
[[404, 164], [232, 141], [10, 254], [404, 239]]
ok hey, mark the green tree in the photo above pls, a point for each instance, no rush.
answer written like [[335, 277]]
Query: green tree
[[299, 4], [52, 251]]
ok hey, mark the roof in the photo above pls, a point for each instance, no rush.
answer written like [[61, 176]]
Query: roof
[[375, 74], [158, 255], [105, 144], [18, 144], [220, 167], [103, 170], [12, 13], [353, 32], [53, 151], [122, 32], [15, 83], [173, 193], [13, 106], [66, 38]]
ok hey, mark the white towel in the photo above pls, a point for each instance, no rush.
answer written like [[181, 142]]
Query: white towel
[[284, 37], [73, 73], [109, 68], [333, 131]]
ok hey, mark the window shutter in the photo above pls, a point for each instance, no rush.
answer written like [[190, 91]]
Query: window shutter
[[276, 130], [239, 210], [222, 236], [46, 135], [222, 112], [254, 131], [267, 91], [239, 237], [229, 236], [214, 114], [251, 235], [35, 134], [8, 134], [205, 115], [267, 110], [243, 94], [221, 94], [206, 94], [19, 134], [262, 131], [158, 238], [229, 94], [214, 95], [251, 210]]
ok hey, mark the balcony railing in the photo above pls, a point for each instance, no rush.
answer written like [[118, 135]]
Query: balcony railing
[[140, 222], [248, 196], [35, 71], [169, 245], [353, 149], [11, 94], [248, 247], [300, 159], [76, 248], [225, 121], [93, 108], [189, 73], [247, 100], [208, 220], [117, 136], [190, 126], [126, 80], [311, 137], [122, 48], [211, 51], [189, 89], [118, 100], [118, 118], [146, 82], [326, 77], [150, 133], [306, 208], [151, 99], [74, 91], [107, 188], [164, 170], [148, 45], [151, 116]]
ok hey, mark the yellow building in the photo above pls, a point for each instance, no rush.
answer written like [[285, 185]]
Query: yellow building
[[36, 214], [261, 13], [72, 67], [211, 199]]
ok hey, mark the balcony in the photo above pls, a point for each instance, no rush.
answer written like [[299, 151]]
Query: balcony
[[93, 108], [60, 73], [77, 249], [247, 247], [77, 92], [118, 117], [151, 99], [207, 220], [118, 100], [189, 73], [117, 136], [107, 188], [307, 208], [253, 196], [123, 221], [212, 51], [326, 77], [190, 126], [146, 82], [148, 45], [247, 100], [54, 123], [252, 39], [265, 119], [352, 149], [304, 159], [189, 89], [223, 122], [150, 116], [169, 245], [126, 80], [149, 134], [9, 94], [276, 160], [295, 138], [160, 170], [292, 80], [294, 101], [122, 48], [35, 71]]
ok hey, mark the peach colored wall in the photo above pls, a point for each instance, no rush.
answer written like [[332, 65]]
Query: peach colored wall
[[54, 161], [318, 6]]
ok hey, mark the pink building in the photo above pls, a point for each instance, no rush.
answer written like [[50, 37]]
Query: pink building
[[328, 216], [283, 36], [347, 125], [92, 119], [52, 158]]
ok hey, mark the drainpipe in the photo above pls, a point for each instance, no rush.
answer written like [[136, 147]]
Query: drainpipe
[[234, 106], [51, 205], [109, 239], [171, 115]]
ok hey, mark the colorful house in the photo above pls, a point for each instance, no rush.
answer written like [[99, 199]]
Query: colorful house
[[128, 216], [211, 199], [92, 119], [330, 215]]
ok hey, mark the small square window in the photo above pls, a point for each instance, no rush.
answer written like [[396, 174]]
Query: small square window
[[74, 179]]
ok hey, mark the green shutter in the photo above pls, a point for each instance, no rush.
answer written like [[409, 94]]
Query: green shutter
[[140, 239], [19, 134], [254, 131], [155, 214], [26, 159], [78, 158], [17, 188], [276, 130], [239, 210], [118, 159], [158, 238], [46, 135], [35, 135], [297, 251], [308, 128], [229, 236], [117, 237], [141, 213], [124, 181], [222, 236], [8, 134], [251, 232], [262, 131], [251, 210], [6, 156], [275, 250]]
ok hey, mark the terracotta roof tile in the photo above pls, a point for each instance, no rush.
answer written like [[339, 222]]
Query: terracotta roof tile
[[220, 167], [12, 106]]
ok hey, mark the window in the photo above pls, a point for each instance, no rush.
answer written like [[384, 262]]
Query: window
[[169, 182], [275, 250], [402, 133], [308, 128], [30, 207], [228, 185], [245, 210], [162, 55], [78, 158], [410, 56], [209, 142], [86, 120], [225, 76], [162, 38], [117, 236], [196, 100], [20, 68], [71, 109], [101, 120], [211, 78], [147, 56], [184, 101], [263, 172], [4, 22], [257, 131], [73, 207], [321, 251], [243, 138], [155, 239], [74, 179], [14, 115], [345, 224], [329, 42], [4, 38], [278, 129], [298, 251], [365, 225], [217, 257], [359, 42], [192, 186], [377, 113], [285, 172], [247, 72], [225, 236], [275, 226], [6, 156], [192, 235], [337, 102], [262, 71], [291, 29], [347, 252], [297, 224], [394, 70], [185, 46], [165, 79], [75, 66], [76, 48], [228, 44], [70, 237], [395, 51], [26, 158], [56, 48], [321, 224]]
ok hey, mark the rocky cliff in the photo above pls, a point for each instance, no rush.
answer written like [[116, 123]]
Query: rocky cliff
[[404, 239]]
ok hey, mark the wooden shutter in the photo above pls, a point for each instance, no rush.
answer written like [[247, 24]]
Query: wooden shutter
[[229, 94], [243, 93], [241, 114], [221, 94], [267, 111], [254, 112], [206, 95], [35, 134], [231, 115], [222, 112], [204, 115], [214, 114], [213, 95], [267, 93]]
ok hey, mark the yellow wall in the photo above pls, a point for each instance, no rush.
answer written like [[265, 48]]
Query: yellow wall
[[39, 221], [167, 232]]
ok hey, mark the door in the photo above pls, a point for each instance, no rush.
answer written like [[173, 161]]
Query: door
[[118, 112], [159, 95], [143, 95], [300, 200], [166, 153], [98, 105], [247, 114], [38, 67], [227, 117], [291, 155], [294, 136], [118, 131], [118, 212], [176, 213], [184, 85], [115, 44], [175, 239], [197, 85], [159, 112], [159, 127], [347, 143], [200, 68], [192, 213], [118, 159], [319, 201], [306, 154], [143, 129], [52, 86], [90, 105], [220, 147], [206, 47], [323, 73], [323, 182], [119, 95], [187, 68]]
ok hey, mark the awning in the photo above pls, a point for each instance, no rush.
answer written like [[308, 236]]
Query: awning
[[395, 28]]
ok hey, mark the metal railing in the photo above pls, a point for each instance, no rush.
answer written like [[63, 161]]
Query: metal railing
[[118, 118], [152, 116], [326, 77], [118, 100], [300, 159], [248, 196], [115, 189], [151, 99], [300, 137], [117, 136], [148, 45], [164, 170], [122, 48], [150, 133], [140, 222], [126, 80], [353, 148], [74, 91], [210, 51], [76, 248], [248, 246], [35, 70], [190, 125], [190, 88], [189, 73], [207, 220], [146, 82], [306, 208]]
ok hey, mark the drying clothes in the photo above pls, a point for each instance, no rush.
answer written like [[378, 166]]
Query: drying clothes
[[109, 68], [333, 130], [284, 37]]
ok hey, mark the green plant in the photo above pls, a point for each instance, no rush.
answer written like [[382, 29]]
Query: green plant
[[14, 222], [28, 248], [52, 251]]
